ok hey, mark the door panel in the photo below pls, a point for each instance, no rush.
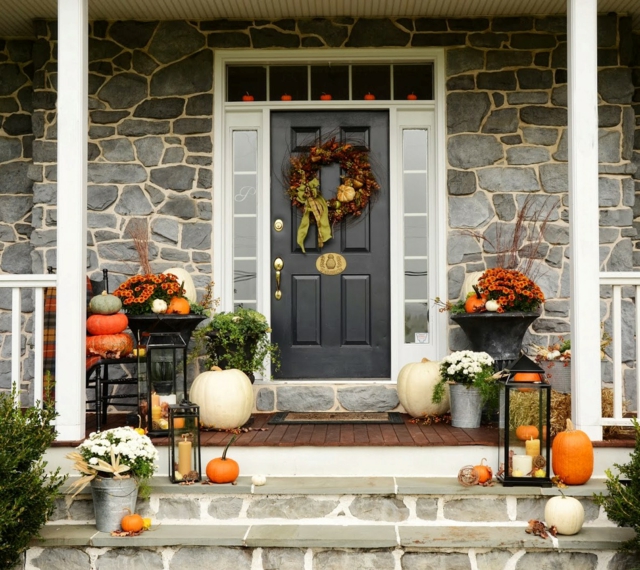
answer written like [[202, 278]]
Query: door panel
[[332, 326]]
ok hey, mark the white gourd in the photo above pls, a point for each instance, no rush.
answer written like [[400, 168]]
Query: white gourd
[[565, 513], [470, 280], [416, 382], [225, 398], [492, 306], [186, 281]]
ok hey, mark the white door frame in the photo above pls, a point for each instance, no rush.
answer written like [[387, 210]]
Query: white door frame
[[229, 116]]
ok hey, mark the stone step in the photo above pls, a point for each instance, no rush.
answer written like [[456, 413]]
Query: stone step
[[350, 502], [319, 547]]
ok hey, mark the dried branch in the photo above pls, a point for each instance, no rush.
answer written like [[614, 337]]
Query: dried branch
[[138, 231]]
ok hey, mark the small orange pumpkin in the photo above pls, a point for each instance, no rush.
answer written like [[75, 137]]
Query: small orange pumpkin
[[484, 472], [132, 523], [527, 377], [222, 469], [572, 456], [178, 306], [525, 433], [475, 302], [107, 324]]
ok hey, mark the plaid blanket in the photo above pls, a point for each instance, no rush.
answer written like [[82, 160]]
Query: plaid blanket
[[49, 349]]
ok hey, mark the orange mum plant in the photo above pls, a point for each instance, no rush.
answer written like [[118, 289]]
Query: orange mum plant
[[511, 289], [140, 291]]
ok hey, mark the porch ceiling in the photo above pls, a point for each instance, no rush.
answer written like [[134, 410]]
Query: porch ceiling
[[17, 16]]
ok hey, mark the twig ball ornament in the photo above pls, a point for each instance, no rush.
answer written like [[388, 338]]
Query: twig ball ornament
[[468, 476]]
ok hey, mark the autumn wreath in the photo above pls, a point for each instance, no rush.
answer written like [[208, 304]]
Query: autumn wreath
[[352, 196]]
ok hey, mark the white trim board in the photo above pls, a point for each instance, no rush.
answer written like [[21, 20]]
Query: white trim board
[[402, 114]]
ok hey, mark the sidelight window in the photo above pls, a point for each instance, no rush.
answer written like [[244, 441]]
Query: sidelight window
[[415, 218], [245, 217]]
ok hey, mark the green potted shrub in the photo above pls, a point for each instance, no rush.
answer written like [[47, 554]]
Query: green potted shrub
[[622, 504], [237, 340], [27, 490]]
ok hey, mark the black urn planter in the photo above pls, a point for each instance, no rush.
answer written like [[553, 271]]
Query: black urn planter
[[184, 325], [498, 334]]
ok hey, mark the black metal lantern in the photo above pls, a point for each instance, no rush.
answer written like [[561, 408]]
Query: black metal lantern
[[184, 442], [162, 379], [525, 426]]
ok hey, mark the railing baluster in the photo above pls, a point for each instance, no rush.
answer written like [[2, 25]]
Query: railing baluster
[[616, 314], [16, 337], [38, 345]]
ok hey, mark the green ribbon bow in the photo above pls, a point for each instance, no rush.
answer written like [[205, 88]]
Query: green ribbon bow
[[314, 203]]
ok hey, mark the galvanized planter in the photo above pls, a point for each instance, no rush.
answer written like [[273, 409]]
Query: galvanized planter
[[112, 500], [466, 406]]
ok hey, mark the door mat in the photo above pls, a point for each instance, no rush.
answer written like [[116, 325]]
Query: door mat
[[336, 418]]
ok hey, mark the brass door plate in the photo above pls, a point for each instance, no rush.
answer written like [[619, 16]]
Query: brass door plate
[[331, 264]]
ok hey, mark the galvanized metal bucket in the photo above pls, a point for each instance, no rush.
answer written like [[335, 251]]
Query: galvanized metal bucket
[[466, 406], [112, 500]]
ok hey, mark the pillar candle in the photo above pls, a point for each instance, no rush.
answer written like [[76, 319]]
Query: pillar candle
[[523, 463], [184, 457], [533, 447], [156, 413], [155, 400]]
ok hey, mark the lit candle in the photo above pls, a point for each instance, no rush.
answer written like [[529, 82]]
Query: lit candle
[[184, 456], [155, 399], [533, 447], [523, 464]]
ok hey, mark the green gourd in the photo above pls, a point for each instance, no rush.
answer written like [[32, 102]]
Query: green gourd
[[105, 304]]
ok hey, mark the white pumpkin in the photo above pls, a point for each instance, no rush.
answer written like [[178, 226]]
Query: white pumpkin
[[492, 306], [416, 382], [185, 280], [225, 398], [469, 281], [565, 513]]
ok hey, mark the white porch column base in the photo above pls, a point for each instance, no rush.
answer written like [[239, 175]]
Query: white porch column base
[[584, 215], [72, 218]]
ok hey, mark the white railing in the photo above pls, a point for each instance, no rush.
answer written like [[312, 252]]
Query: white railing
[[17, 283], [617, 282]]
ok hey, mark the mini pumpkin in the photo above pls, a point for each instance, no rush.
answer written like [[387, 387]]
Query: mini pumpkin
[[527, 377], [107, 324], [475, 302], [345, 193], [105, 304], [222, 469], [178, 306], [132, 523], [484, 472], [572, 456], [525, 433]]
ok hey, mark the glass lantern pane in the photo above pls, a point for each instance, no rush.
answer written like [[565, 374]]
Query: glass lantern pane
[[246, 80], [288, 80], [413, 80], [371, 79], [330, 80]]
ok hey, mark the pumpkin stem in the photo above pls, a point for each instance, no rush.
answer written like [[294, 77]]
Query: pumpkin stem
[[561, 492], [425, 360], [570, 425], [475, 288], [216, 369], [224, 453]]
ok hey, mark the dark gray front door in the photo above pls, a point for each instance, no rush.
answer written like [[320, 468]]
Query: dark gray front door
[[331, 326]]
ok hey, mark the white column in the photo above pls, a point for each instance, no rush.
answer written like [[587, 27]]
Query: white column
[[72, 218], [583, 215]]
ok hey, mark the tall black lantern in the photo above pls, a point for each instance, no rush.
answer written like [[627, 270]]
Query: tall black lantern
[[525, 426], [162, 379], [184, 442]]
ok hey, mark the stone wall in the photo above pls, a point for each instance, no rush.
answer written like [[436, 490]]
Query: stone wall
[[150, 149], [16, 92]]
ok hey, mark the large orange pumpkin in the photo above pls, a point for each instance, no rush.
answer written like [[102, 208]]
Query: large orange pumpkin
[[110, 345], [222, 469], [107, 324], [178, 306], [525, 433], [572, 456]]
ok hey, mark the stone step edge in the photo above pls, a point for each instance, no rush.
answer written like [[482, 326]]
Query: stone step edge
[[432, 538]]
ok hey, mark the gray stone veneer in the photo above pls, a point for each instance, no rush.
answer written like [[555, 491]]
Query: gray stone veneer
[[150, 148]]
